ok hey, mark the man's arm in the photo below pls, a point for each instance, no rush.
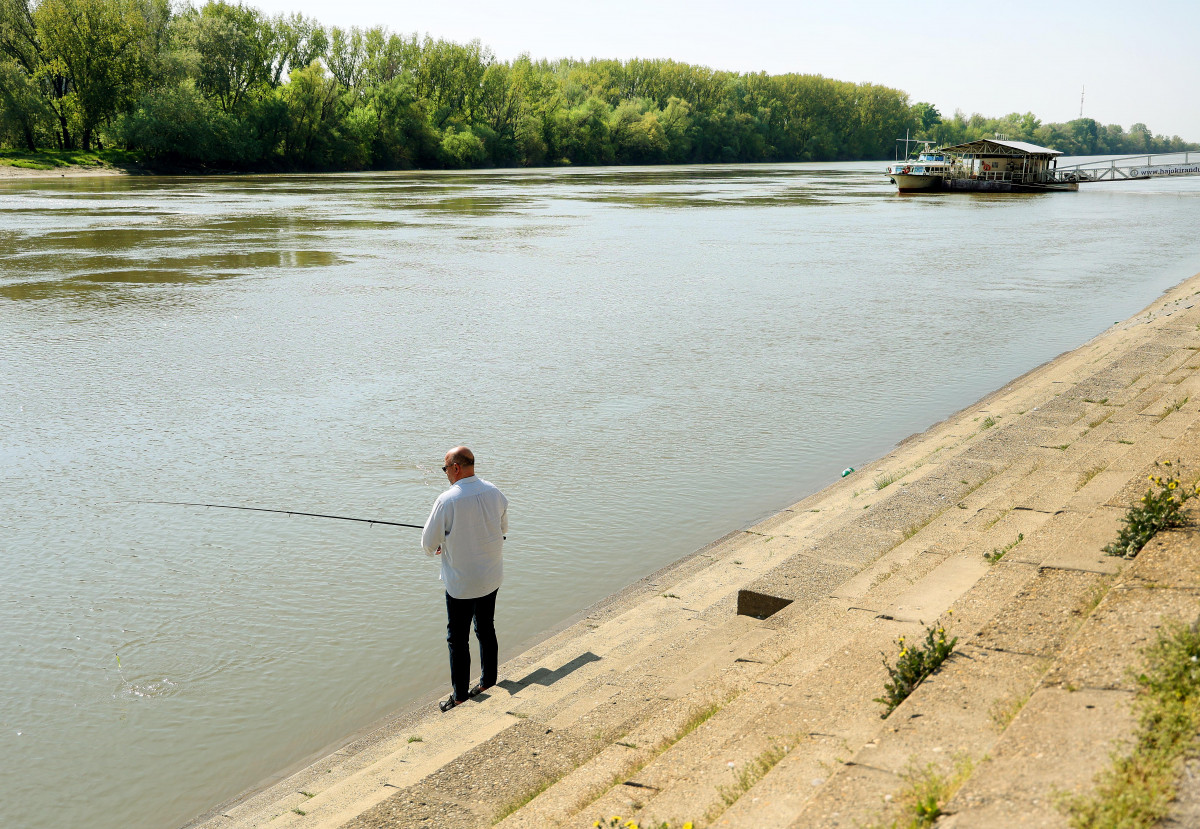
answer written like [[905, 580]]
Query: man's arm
[[435, 530]]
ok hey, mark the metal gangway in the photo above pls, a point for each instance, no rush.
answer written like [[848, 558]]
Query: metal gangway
[[1128, 168]]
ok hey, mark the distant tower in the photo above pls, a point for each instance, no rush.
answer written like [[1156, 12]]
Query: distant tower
[[1082, 89]]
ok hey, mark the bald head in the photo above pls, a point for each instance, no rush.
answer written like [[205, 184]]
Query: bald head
[[460, 463], [461, 455]]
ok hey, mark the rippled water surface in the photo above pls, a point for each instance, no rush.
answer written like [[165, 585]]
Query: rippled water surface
[[643, 359]]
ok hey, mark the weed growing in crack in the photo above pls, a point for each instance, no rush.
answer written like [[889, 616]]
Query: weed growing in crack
[[1158, 510], [1088, 474], [998, 553], [913, 664]]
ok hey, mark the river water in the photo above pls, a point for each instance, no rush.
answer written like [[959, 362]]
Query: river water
[[642, 359]]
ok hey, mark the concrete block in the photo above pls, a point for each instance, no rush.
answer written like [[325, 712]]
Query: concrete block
[[959, 711], [1094, 489], [1005, 445], [1043, 615], [1055, 746], [1109, 645], [1170, 559], [989, 596], [1060, 411], [928, 497], [1085, 549], [801, 578], [1003, 528], [1050, 534], [855, 545], [779, 797], [417, 809], [854, 797], [909, 560], [928, 599]]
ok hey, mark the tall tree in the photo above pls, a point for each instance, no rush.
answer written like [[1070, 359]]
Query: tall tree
[[94, 50], [235, 48]]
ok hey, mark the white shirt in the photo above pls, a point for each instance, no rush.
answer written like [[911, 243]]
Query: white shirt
[[469, 522]]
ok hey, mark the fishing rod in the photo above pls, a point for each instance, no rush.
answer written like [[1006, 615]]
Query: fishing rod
[[287, 512]]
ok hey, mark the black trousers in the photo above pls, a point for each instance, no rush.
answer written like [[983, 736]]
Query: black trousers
[[459, 614]]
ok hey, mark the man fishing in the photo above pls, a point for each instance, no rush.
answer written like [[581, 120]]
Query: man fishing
[[467, 528]]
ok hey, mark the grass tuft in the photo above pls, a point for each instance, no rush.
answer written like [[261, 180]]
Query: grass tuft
[[1090, 473], [998, 553], [927, 791], [887, 480], [1004, 712], [1172, 408], [748, 775], [997, 518], [913, 529]]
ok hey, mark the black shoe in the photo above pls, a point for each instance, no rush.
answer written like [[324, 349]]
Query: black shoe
[[479, 689], [448, 703]]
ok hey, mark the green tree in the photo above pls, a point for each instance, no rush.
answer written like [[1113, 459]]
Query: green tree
[[96, 47], [462, 149], [297, 41], [24, 114], [233, 44], [927, 116], [313, 102], [347, 56]]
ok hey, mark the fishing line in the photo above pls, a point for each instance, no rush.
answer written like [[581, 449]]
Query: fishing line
[[286, 512]]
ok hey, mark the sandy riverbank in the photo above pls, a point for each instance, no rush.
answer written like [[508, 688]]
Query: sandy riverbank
[[650, 702], [9, 172]]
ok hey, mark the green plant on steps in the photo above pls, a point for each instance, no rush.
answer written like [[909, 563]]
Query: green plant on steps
[[999, 553], [913, 664], [1158, 510]]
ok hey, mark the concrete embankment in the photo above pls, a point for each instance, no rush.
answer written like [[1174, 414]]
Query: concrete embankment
[[738, 688]]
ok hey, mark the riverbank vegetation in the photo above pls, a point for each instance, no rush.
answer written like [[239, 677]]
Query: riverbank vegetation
[[224, 86]]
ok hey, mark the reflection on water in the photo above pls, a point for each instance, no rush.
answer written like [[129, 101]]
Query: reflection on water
[[644, 359]]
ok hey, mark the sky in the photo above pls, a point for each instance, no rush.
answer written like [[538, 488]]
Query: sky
[[1134, 62]]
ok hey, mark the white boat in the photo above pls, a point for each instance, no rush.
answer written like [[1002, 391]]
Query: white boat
[[923, 173]]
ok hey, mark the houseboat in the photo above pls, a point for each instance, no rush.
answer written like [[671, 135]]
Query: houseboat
[[988, 164]]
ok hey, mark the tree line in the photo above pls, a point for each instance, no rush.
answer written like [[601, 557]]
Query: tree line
[[1082, 136], [225, 86]]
